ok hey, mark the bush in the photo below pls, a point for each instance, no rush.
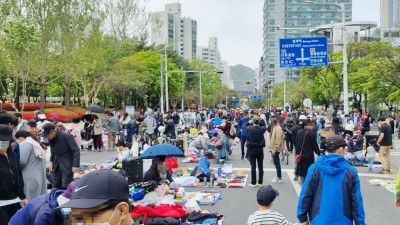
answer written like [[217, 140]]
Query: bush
[[31, 106], [59, 114]]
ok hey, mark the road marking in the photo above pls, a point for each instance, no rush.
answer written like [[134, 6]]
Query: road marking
[[295, 184]]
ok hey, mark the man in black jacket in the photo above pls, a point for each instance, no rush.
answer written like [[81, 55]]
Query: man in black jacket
[[255, 149], [65, 156]]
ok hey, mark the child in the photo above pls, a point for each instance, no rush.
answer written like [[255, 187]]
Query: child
[[370, 154], [265, 198]]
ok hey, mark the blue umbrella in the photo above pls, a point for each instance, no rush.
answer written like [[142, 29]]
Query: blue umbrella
[[162, 150]]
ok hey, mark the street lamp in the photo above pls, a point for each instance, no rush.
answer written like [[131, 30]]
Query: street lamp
[[345, 60]]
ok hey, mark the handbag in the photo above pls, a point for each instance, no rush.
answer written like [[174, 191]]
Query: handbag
[[298, 157]]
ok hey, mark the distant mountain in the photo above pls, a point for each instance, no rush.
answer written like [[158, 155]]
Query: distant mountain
[[239, 74]]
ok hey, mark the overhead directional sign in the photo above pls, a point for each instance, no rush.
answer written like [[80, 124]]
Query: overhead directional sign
[[301, 52], [257, 97], [235, 101]]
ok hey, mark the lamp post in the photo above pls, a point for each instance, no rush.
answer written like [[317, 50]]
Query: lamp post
[[344, 51]]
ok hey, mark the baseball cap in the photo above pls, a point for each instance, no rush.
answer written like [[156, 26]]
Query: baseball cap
[[266, 195], [256, 118], [47, 128], [32, 123], [334, 142], [6, 133], [96, 188], [302, 117], [382, 118]]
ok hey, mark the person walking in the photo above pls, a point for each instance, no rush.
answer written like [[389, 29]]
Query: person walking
[[75, 130], [385, 142], [64, 158], [12, 196], [243, 133], [275, 147], [306, 146], [113, 127], [32, 164], [331, 191], [97, 133], [149, 125], [255, 150]]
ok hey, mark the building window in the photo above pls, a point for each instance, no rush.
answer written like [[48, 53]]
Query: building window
[[395, 34], [271, 66], [386, 34]]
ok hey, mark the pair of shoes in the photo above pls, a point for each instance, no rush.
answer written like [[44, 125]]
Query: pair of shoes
[[253, 185], [242, 156], [370, 170], [296, 178], [277, 180]]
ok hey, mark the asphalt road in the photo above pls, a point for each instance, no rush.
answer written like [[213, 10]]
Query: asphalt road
[[237, 204]]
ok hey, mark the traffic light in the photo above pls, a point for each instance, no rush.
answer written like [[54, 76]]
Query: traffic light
[[247, 82]]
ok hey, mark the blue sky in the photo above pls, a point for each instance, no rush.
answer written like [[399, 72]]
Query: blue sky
[[238, 24]]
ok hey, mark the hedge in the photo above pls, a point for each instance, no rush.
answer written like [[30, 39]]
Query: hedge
[[31, 106]]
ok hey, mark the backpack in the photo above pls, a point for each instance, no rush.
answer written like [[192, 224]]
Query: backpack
[[203, 117], [232, 131]]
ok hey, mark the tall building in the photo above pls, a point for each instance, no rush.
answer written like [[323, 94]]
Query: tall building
[[211, 53], [294, 19], [180, 33], [390, 13]]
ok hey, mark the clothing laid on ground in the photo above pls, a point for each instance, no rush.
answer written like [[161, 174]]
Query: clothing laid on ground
[[268, 217], [331, 192]]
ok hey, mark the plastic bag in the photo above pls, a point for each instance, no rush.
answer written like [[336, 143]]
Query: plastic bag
[[192, 206], [227, 168]]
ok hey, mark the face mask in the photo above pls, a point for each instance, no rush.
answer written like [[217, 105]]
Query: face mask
[[105, 223]]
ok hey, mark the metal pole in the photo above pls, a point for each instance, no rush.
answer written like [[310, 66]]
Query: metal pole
[[284, 91], [345, 81], [161, 85], [201, 94], [183, 88], [166, 79]]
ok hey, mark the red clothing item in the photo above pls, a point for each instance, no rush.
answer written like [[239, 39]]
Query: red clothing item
[[226, 129], [163, 210]]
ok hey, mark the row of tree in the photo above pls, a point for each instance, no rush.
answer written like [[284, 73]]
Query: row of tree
[[373, 72], [91, 52]]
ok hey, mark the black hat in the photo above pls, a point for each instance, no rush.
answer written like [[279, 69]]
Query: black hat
[[47, 128], [382, 118], [266, 195], [96, 188], [32, 123], [334, 142], [6, 133]]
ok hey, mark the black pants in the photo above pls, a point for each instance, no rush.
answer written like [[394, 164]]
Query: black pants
[[256, 155], [289, 142], [277, 164], [6, 212], [97, 142], [242, 143], [61, 179]]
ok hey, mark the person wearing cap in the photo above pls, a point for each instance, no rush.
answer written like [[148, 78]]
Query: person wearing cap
[[331, 191], [385, 142], [359, 141], [12, 195], [32, 128], [265, 215], [170, 127], [255, 149], [275, 147], [100, 197], [65, 155], [41, 121]]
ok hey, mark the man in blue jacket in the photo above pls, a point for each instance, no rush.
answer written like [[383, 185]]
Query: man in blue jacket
[[331, 193], [242, 132]]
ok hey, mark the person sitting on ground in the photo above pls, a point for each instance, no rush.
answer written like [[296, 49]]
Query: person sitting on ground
[[169, 130], [158, 172], [199, 142], [265, 215], [95, 201], [122, 151]]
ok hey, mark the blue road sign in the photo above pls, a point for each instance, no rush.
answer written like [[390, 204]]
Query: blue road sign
[[301, 52], [257, 97], [235, 101]]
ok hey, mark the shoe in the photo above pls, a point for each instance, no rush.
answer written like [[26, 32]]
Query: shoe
[[277, 180], [259, 185], [242, 156], [296, 178], [253, 185], [370, 170]]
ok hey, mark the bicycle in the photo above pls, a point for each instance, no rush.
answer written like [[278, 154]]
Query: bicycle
[[285, 154]]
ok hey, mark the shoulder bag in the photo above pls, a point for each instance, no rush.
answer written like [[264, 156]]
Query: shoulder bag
[[298, 157]]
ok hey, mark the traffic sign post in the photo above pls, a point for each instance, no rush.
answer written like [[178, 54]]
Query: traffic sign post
[[302, 52]]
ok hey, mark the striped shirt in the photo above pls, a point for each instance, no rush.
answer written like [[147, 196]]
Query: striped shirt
[[268, 217]]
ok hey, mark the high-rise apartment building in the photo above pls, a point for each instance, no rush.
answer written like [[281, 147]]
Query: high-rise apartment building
[[180, 33], [390, 14], [211, 53], [294, 19]]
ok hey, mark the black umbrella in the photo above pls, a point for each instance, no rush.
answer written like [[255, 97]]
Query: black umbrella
[[96, 109], [88, 117]]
